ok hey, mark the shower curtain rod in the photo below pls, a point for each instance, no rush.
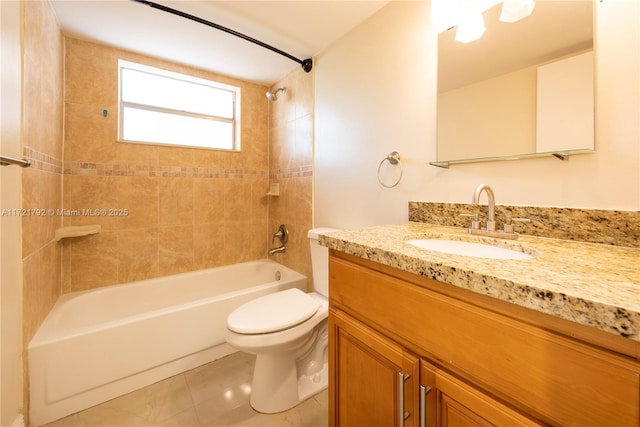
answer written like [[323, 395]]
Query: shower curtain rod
[[306, 64]]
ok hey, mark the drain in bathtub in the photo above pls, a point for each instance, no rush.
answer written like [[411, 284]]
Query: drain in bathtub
[[278, 275]]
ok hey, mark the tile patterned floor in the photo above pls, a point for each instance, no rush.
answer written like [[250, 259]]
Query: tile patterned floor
[[213, 395]]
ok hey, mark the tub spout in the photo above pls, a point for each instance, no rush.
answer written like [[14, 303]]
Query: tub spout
[[279, 249]]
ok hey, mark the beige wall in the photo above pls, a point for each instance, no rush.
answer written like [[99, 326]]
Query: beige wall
[[42, 182], [290, 165], [371, 101], [11, 347], [188, 208]]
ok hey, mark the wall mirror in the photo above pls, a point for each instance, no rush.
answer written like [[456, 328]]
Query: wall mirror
[[524, 89]]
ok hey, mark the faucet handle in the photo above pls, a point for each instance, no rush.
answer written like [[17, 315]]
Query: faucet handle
[[475, 224], [282, 234], [508, 226]]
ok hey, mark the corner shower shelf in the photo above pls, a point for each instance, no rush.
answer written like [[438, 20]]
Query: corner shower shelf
[[274, 189], [76, 231]]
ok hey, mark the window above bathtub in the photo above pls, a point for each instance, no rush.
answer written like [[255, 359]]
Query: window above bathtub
[[161, 107]]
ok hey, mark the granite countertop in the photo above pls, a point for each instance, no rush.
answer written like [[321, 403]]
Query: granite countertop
[[592, 284]]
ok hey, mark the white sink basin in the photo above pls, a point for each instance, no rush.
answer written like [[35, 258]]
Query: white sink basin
[[477, 250]]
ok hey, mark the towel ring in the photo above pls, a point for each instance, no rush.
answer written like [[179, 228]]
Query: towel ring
[[394, 159]]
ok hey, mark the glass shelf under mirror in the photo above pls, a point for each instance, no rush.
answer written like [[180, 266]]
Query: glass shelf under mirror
[[561, 155]]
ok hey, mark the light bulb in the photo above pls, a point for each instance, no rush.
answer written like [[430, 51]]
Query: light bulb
[[444, 13], [515, 10], [470, 26]]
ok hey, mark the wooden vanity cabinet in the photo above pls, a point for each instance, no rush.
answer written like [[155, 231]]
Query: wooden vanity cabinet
[[376, 382], [392, 336]]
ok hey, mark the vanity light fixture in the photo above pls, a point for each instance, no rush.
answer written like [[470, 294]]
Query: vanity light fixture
[[515, 10]]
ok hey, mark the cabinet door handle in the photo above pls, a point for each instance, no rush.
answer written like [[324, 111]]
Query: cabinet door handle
[[402, 415], [423, 405]]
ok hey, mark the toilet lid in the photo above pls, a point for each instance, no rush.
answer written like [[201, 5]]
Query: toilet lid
[[273, 312]]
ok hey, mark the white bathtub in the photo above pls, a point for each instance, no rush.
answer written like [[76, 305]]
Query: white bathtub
[[99, 344]]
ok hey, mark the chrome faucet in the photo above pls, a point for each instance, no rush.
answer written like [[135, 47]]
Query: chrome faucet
[[491, 221], [279, 249], [490, 229], [283, 235]]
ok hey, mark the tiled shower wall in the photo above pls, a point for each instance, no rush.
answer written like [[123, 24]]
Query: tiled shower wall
[[188, 208], [42, 114], [290, 166]]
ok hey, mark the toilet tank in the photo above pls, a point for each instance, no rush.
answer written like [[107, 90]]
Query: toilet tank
[[319, 261]]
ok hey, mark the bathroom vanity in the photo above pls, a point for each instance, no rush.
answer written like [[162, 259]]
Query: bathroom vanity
[[423, 338]]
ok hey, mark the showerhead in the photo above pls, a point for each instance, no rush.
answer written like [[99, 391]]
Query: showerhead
[[273, 95]]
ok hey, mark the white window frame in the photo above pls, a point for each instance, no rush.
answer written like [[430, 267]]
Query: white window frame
[[236, 91]]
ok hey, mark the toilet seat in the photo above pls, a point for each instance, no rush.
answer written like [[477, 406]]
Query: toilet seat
[[273, 312]]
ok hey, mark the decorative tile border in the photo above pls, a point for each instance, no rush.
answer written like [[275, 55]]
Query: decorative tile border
[[297, 172], [611, 227], [110, 169], [42, 161]]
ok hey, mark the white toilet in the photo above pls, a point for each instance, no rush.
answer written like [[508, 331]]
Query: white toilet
[[287, 331]]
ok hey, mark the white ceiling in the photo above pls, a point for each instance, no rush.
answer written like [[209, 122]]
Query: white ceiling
[[301, 28]]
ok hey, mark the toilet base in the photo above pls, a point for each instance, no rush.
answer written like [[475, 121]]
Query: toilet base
[[310, 385], [277, 388]]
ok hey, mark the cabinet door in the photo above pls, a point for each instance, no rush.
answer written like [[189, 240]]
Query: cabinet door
[[451, 402], [373, 380]]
